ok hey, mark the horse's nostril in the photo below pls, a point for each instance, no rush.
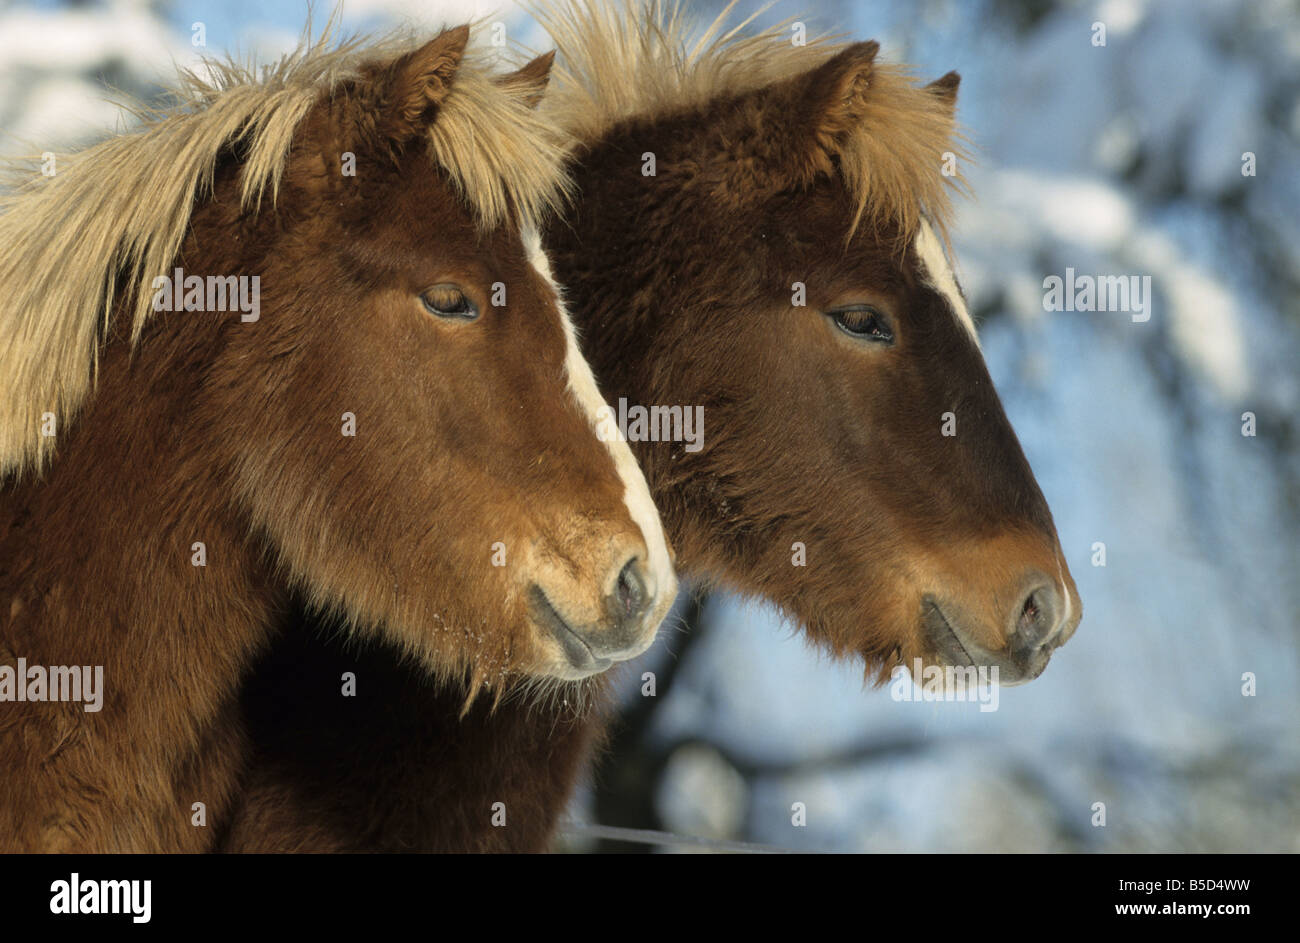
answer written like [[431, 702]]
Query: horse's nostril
[[619, 630], [1036, 618], [630, 593]]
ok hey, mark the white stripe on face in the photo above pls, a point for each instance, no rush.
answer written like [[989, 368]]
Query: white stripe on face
[[661, 577], [930, 251]]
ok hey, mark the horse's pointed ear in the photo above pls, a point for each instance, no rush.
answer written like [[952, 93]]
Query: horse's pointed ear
[[945, 89], [818, 110], [835, 91], [532, 78], [415, 84]]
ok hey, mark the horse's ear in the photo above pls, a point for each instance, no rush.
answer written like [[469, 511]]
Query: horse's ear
[[945, 89], [834, 93], [819, 110], [415, 84], [532, 78]]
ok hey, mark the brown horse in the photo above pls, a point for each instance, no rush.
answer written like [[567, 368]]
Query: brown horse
[[383, 412], [760, 230]]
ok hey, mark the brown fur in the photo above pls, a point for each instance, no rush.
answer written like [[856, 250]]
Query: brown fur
[[427, 782], [203, 428], [58, 294], [682, 285]]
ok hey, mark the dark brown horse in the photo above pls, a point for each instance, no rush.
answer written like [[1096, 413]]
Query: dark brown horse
[[759, 231], [290, 342]]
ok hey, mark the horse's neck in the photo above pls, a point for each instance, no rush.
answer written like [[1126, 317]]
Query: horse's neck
[[99, 567], [441, 772]]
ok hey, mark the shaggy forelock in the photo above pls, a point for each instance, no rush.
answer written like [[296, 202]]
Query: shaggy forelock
[[624, 59]]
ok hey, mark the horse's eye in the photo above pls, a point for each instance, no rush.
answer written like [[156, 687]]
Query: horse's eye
[[865, 322], [448, 301]]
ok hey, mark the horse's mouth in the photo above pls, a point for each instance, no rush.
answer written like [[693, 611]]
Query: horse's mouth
[[1022, 660], [946, 638], [579, 654]]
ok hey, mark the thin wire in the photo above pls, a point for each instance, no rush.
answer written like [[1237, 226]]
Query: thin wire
[[643, 836]]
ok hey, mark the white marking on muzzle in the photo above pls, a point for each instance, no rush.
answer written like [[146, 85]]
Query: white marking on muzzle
[[636, 493], [930, 251], [1065, 590]]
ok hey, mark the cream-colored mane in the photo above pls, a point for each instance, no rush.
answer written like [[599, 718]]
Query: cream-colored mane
[[624, 59], [120, 210]]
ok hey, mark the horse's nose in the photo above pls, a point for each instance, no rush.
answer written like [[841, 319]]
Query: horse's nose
[[1042, 619], [1040, 622], [1035, 620], [630, 600], [623, 633]]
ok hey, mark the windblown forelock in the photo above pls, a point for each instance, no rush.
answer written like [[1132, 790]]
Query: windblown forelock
[[506, 160], [623, 59]]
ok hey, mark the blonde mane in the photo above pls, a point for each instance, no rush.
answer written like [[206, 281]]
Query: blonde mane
[[118, 211], [625, 59]]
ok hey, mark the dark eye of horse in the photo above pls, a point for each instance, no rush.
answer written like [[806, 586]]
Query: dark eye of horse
[[448, 301], [865, 322]]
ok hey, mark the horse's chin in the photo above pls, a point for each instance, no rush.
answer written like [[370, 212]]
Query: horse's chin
[[569, 672]]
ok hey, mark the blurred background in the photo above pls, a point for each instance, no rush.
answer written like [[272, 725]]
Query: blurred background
[[1125, 158]]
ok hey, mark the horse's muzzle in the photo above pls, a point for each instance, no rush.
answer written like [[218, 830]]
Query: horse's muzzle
[[623, 633], [1041, 621]]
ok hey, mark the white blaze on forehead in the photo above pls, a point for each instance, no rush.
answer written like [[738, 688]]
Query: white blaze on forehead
[[930, 251], [661, 577]]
